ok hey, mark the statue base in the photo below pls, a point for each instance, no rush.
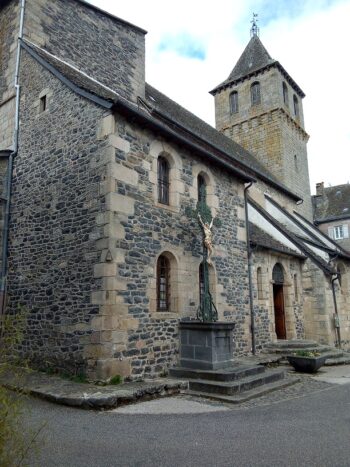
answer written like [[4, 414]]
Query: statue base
[[206, 346]]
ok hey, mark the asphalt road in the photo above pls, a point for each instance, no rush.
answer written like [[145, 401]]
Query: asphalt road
[[309, 431]]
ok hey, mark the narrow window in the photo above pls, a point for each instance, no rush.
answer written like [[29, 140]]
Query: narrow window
[[295, 279], [163, 283], [255, 93], [296, 167], [201, 282], [202, 189], [285, 94], [163, 180], [259, 283], [338, 232], [43, 104], [296, 106], [234, 102]]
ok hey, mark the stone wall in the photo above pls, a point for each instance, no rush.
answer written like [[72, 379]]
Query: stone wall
[[140, 229], [9, 26], [106, 48], [53, 228], [320, 308]]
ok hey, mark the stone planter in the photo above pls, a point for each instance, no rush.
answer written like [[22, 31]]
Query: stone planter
[[306, 364], [206, 346]]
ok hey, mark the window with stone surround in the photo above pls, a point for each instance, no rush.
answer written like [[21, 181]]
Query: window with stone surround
[[259, 283], [163, 180], [202, 189], [285, 94], [255, 93], [296, 106], [163, 283], [234, 102]]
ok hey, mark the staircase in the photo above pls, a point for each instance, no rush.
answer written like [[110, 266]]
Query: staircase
[[235, 384], [282, 348]]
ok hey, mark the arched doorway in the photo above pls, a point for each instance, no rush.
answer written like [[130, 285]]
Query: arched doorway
[[278, 301]]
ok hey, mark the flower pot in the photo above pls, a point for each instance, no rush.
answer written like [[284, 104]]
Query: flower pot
[[306, 364]]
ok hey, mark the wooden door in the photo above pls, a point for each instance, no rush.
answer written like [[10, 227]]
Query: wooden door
[[280, 322]]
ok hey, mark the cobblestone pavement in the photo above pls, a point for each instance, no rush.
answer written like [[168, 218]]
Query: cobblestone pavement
[[191, 404]]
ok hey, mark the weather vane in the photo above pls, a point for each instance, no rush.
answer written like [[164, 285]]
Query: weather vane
[[254, 31]]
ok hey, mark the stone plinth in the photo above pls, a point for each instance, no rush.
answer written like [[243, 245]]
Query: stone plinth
[[205, 346]]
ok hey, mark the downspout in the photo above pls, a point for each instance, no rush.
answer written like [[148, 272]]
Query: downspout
[[336, 316], [249, 254], [3, 279]]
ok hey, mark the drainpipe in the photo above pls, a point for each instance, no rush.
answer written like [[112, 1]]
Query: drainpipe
[[249, 254], [3, 272], [336, 316]]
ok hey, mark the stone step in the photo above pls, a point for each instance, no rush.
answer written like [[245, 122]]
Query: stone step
[[247, 395], [234, 387], [291, 344], [344, 360], [229, 374]]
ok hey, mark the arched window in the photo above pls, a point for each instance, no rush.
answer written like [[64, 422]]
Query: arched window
[[163, 283], [296, 106], [295, 280], [277, 274], [163, 180], [285, 94], [202, 189], [234, 102], [259, 283], [201, 282], [255, 93]]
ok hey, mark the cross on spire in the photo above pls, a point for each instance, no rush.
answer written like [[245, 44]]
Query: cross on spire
[[254, 31]]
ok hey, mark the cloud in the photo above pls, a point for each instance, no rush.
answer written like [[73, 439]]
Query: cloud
[[183, 44]]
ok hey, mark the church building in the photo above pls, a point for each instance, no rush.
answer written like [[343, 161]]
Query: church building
[[101, 177]]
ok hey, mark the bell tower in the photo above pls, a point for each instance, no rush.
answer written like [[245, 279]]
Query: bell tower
[[260, 107]]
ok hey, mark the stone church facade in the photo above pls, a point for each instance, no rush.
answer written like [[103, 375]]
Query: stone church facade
[[101, 247]]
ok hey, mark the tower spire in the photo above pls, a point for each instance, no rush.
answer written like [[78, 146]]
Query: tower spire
[[254, 30]]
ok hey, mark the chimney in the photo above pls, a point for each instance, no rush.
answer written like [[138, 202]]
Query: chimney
[[320, 189]]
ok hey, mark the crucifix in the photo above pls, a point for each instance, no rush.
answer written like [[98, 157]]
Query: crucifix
[[207, 310]]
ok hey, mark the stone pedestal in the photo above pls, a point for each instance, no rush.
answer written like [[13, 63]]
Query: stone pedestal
[[206, 346]]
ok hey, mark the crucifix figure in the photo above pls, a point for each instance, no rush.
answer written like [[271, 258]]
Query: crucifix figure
[[208, 236]]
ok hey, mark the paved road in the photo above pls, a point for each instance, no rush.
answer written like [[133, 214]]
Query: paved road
[[313, 430]]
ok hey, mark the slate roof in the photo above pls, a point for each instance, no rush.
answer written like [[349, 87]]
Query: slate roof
[[255, 58], [261, 238], [160, 108], [191, 123], [333, 204]]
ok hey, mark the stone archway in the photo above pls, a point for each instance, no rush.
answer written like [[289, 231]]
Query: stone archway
[[278, 301]]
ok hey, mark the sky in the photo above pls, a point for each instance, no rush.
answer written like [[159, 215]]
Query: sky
[[192, 46]]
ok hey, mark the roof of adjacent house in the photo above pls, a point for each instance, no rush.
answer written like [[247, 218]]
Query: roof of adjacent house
[[332, 204], [255, 58], [159, 108]]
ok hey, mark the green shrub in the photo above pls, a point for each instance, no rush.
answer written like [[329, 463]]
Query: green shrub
[[15, 443], [116, 379]]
